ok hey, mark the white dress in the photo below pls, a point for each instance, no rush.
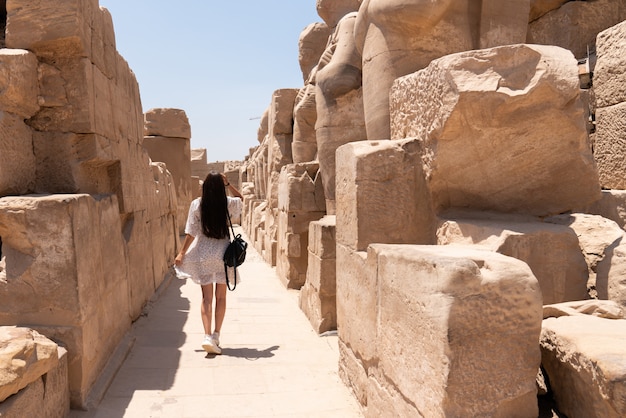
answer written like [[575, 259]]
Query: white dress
[[204, 261]]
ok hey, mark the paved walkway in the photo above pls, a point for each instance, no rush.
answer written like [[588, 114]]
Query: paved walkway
[[272, 365]]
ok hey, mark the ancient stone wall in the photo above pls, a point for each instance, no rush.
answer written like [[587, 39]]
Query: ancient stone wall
[[489, 153], [83, 255]]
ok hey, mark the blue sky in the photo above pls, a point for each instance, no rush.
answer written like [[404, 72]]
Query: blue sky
[[220, 61]]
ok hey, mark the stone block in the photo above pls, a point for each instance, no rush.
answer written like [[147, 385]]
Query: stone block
[[525, 149], [318, 294], [280, 120], [25, 356], [458, 332], [70, 85], [503, 22], [603, 243], [380, 183], [357, 291], [575, 25], [299, 188], [79, 277], [17, 161], [172, 123], [322, 237], [609, 149], [176, 154], [18, 82], [609, 75], [612, 206], [551, 251], [55, 28], [103, 46], [583, 356]]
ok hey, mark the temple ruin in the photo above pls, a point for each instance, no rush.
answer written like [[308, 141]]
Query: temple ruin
[[446, 190]]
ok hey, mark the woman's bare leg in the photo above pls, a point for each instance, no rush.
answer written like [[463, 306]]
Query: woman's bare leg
[[220, 305], [206, 309]]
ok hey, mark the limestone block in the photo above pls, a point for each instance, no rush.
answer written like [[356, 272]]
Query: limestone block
[[603, 244], [322, 237], [380, 195], [72, 288], [47, 396], [353, 372], [575, 25], [539, 8], [458, 332], [103, 46], [56, 28], [199, 166], [551, 251], [357, 291], [69, 163], [584, 359], [77, 96], [280, 118], [609, 75], [127, 109], [171, 123], [299, 190], [530, 121], [600, 308], [502, 22], [17, 161], [18, 82], [175, 152], [612, 206], [292, 239], [609, 149], [25, 356]]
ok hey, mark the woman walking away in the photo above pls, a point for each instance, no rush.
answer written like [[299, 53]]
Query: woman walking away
[[202, 254]]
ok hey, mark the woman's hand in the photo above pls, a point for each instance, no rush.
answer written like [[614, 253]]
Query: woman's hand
[[224, 179], [179, 259]]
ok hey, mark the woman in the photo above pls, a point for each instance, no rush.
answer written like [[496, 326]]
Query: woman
[[207, 236]]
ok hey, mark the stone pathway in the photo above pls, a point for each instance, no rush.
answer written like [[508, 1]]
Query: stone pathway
[[272, 365]]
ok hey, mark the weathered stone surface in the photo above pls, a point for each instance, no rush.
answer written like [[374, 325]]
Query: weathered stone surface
[[199, 164], [18, 82], [331, 11], [311, 45], [304, 146], [603, 244], [17, 161], [539, 8], [339, 101], [72, 287], [399, 37], [575, 25], [609, 75], [175, 152], [457, 333], [529, 121], [300, 201], [172, 123], [609, 149], [318, 295], [601, 308], [281, 112], [585, 358], [612, 206], [25, 356], [551, 251], [51, 28], [378, 183]]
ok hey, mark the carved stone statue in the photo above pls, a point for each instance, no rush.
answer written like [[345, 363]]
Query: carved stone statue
[[338, 95], [399, 37]]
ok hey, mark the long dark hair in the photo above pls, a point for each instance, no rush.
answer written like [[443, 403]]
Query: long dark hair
[[214, 207]]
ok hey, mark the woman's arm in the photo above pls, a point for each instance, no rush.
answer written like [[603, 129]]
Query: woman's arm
[[231, 188], [181, 254]]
